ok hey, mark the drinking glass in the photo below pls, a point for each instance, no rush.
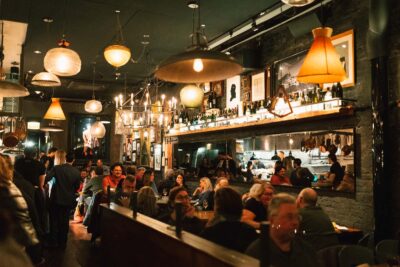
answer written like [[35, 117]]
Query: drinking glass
[[165, 192], [205, 204]]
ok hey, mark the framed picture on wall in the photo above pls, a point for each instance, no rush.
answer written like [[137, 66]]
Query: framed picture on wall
[[258, 86], [218, 87], [233, 92], [206, 87], [157, 157], [138, 147], [344, 45]]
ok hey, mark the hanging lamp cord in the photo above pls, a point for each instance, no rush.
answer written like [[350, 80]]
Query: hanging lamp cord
[[93, 81], [120, 36]]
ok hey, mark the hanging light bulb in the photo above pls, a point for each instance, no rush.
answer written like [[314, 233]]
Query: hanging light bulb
[[62, 61], [191, 96], [46, 79], [198, 65], [55, 111], [322, 63], [97, 130], [117, 54]]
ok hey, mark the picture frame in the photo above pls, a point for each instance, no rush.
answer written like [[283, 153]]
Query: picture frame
[[258, 86], [285, 72], [233, 92], [157, 157], [206, 87], [218, 87], [344, 45], [138, 147]]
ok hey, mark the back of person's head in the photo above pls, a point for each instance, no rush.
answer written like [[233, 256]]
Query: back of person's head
[[146, 200], [52, 150], [256, 190], [130, 178], [98, 171], [277, 201], [228, 202], [249, 163], [131, 170], [332, 157], [70, 157], [297, 161], [173, 193], [30, 152], [309, 197], [170, 174], [221, 182], [60, 157]]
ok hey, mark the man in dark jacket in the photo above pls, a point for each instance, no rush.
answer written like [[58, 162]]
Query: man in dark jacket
[[66, 182]]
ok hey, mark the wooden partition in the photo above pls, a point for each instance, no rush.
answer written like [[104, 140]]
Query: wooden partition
[[147, 242]]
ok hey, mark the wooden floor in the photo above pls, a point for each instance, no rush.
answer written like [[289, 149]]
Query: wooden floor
[[79, 251]]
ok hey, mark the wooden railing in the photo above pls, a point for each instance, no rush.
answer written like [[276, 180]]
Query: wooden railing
[[144, 241]]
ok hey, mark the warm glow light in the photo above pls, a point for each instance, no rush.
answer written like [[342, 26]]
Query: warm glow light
[[322, 63], [55, 111], [117, 55], [46, 79], [93, 106], [191, 96], [33, 125], [198, 65], [97, 130], [297, 3], [62, 61]]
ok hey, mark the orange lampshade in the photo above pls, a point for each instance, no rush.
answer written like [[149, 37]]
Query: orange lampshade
[[322, 63], [55, 111]]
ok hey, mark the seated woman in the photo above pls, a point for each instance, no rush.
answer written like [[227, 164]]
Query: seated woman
[[204, 194], [254, 211], [180, 181], [190, 222], [148, 180], [225, 228], [147, 202], [279, 177]]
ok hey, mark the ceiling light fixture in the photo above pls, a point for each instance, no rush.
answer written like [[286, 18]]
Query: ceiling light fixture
[[322, 63], [46, 79], [297, 3], [93, 105], [62, 61], [52, 127], [117, 54], [191, 96], [55, 111], [198, 64], [37, 52], [97, 130], [193, 4]]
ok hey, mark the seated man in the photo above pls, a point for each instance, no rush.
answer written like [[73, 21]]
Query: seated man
[[315, 226], [123, 195], [284, 248], [301, 176]]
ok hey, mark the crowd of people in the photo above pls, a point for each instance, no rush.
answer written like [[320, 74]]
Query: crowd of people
[[38, 197]]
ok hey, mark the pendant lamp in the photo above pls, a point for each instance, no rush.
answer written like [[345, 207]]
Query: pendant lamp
[[62, 61], [97, 130], [52, 127], [55, 111], [198, 64], [93, 105], [117, 54], [297, 3], [322, 63], [46, 79], [191, 96]]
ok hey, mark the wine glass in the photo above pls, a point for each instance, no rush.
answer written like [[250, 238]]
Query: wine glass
[[165, 192], [205, 204]]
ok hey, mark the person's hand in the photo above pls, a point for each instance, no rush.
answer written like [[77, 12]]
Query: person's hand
[[125, 201]]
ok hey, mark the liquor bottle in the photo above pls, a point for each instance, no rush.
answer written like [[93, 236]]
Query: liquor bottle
[[339, 90], [315, 96], [244, 107], [210, 100], [334, 91]]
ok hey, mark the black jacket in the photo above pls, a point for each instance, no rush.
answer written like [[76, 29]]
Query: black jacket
[[67, 181]]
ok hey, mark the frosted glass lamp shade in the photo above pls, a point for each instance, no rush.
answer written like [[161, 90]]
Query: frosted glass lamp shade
[[55, 111], [12, 89], [93, 106], [117, 55], [297, 3], [191, 96], [62, 61], [97, 130], [46, 79], [322, 63]]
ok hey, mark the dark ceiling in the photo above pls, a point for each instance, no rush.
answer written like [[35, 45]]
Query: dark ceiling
[[90, 25]]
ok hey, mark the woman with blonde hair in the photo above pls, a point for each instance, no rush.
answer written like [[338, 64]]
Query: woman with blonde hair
[[146, 201], [205, 194], [60, 157], [255, 208]]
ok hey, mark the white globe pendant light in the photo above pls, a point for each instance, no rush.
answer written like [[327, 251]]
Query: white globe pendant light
[[46, 79], [191, 96], [93, 105], [62, 61], [97, 130]]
